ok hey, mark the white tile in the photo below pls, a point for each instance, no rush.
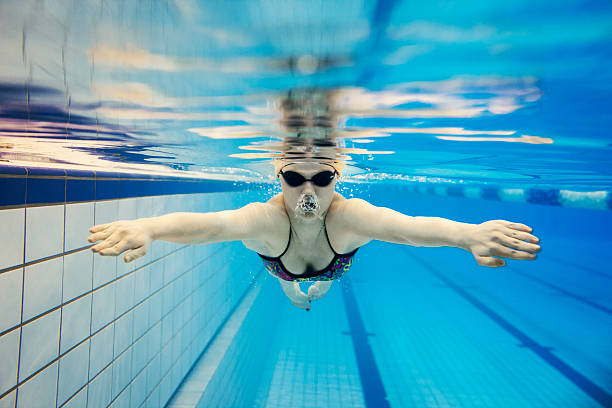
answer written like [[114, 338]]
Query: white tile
[[79, 218], [39, 343], [122, 400], [42, 289], [166, 359], [127, 208], [103, 307], [105, 212], [122, 370], [153, 374], [139, 356], [78, 268], [123, 333], [44, 233], [124, 295], [99, 390], [104, 269], [156, 273], [141, 320], [101, 350], [124, 268], [9, 351], [138, 390], [152, 400], [155, 308], [165, 390], [8, 401], [72, 372], [76, 319], [40, 391], [78, 401], [10, 298], [11, 237], [143, 208], [153, 340]]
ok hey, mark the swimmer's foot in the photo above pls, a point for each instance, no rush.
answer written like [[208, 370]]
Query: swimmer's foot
[[318, 290]]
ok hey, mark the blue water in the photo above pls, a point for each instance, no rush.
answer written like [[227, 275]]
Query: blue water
[[428, 327], [465, 110]]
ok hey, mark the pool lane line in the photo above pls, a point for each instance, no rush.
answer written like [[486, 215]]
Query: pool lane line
[[374, 393], [582, 299], [581, 381]]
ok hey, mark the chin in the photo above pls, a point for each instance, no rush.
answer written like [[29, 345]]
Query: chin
[[309, 216]]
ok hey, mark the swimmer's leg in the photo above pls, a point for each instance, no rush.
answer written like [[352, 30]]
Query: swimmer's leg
[[318, 289]]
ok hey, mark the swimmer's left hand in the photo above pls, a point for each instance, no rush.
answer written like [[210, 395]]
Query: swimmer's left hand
[[499, 238], [318, 290]]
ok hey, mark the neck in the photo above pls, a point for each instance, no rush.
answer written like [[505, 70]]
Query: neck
[[306, 231]]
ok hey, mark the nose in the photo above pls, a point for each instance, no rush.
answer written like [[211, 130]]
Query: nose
[[308, 188]]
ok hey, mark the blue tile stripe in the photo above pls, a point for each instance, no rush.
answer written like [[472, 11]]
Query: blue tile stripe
[[38, 186], [545, 353], [372, 386]]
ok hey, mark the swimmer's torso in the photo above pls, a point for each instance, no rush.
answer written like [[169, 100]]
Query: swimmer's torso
[[305, 256]]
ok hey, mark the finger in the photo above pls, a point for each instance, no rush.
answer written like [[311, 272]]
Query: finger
[[302, 305], [489, 261], [107, 243], [99, 227], [99, 236], [523, 236], [135, 254], [500, 250], [518, 244], [120, 246], [519, 227]]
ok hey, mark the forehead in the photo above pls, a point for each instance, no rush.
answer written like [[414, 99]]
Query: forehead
[[307, 168]]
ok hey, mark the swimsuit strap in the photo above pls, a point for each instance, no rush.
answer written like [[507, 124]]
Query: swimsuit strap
[[327, 236], [288, 243]]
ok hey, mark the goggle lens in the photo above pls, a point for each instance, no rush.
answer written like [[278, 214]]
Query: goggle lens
[[321, 179]]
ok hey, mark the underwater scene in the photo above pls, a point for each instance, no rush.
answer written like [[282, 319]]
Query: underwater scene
[[305, 203]]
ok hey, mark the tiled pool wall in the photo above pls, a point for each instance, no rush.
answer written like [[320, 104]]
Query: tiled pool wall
[[78, 329]]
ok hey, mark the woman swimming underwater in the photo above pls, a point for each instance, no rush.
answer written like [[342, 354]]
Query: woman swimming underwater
[[309, 232]]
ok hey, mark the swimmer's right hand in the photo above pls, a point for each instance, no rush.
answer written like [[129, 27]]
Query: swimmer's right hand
[[300, 299], [117, 237]]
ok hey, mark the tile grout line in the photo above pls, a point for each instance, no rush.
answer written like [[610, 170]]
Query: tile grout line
[[25, 222], [111, 322], [192, 293], [59, 340], [581, 381], [226, 326]]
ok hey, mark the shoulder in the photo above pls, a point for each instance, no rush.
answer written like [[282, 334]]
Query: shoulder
[[271, 221], [350, 209], [345, 222], [265, 216]]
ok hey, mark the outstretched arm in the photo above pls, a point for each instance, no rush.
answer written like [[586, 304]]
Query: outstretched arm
[[486, 241], [135, 236]]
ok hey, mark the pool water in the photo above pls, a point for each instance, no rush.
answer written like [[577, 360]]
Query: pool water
[[462, 110]]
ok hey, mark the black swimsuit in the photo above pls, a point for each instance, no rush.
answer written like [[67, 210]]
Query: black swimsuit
[[339, 264]]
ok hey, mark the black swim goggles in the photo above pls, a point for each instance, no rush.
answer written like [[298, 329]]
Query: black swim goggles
[[321, 179]]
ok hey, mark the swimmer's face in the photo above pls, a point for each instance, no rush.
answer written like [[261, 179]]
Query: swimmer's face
[[308, 201]]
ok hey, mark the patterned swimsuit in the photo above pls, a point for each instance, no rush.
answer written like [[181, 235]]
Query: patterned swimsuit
[[336, 268]]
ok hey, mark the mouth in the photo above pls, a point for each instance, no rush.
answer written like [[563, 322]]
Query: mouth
[[307, 206]]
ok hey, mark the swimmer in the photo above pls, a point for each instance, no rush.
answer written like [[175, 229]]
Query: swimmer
[[310, 233]]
